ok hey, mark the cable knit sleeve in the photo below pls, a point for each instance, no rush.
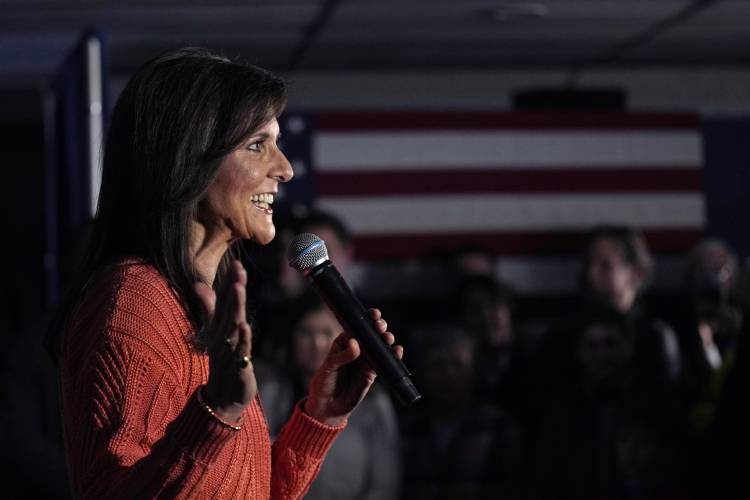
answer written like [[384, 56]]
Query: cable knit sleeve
[[133, 450], [298, 454], [132, 422], [131, 429]]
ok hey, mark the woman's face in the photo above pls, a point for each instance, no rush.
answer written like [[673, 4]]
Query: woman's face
[[450, 371], [241, 196], [604, 351], [487, 318], [608, 274], [313, 338]]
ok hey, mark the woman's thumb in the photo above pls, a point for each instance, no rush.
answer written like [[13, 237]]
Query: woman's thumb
[[348, 350]]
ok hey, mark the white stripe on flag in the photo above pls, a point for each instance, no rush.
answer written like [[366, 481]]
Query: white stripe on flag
[[449, 214], [345, 151]]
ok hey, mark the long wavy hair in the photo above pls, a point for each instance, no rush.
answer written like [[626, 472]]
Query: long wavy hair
[[174, 122]]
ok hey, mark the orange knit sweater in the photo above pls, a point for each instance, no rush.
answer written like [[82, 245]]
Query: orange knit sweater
[[132, 424]]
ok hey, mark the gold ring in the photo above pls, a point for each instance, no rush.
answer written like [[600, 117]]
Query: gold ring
[[244, 361]]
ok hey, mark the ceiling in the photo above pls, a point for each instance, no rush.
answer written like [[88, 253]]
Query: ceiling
[[343, 35]]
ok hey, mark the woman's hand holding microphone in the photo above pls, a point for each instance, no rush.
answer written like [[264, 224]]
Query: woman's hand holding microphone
[[336, 388]]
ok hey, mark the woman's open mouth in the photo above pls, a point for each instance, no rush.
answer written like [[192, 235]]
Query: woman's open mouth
[[263, 202]]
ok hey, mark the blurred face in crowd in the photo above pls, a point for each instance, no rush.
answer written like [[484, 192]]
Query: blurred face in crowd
[[714, 265], [476, 263], [488, 319], [610, 277], [604, 351], [718, 260], [313, 338], [449, 372]]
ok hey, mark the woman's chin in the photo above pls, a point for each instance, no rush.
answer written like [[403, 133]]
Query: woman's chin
[[264, 237]]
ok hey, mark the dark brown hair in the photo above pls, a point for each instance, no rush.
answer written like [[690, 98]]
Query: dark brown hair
[[174, 122]]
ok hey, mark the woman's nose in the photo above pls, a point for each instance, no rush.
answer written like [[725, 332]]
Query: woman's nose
[[282, 171]]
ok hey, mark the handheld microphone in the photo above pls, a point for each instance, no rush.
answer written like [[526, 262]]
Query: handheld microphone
[[308, 255]]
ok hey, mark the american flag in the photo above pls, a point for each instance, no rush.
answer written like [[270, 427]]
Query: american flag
[[525, 185]]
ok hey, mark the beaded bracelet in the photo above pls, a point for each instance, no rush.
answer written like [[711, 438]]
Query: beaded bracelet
[[213, 413]]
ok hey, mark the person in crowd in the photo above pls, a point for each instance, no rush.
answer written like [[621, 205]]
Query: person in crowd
[[724, 451], [485, 311], [458, 444], [617, 266], [288, 285], [158, 390], [715, 291], [712, 271], [616, 269], [367, 452], [600, 435], [712, 285]]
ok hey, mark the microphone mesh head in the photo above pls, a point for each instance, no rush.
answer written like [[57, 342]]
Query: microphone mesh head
[[305, 250]]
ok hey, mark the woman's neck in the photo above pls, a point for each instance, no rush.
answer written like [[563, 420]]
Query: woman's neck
[[207, 248]]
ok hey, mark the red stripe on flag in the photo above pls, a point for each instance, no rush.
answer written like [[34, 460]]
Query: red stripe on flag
[[457, 182], [379, 247], [354, 121]]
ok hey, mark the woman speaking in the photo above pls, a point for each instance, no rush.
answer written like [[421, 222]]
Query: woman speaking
[[159, 397]]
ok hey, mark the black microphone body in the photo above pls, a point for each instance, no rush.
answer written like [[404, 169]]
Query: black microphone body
[[350, 312]]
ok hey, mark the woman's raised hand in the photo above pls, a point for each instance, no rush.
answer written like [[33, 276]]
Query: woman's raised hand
[[231, 381], [344, 378]]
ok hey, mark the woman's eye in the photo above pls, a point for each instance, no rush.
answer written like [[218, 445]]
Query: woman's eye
[[255, 146]]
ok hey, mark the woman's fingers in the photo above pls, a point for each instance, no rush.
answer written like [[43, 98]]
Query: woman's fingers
[[243, 351], [389, 338], [376, 316], [207, 297], [231, 326], [346, 349], [239, 303], [230, 305], [239, 335], [398, 351], [240, 274], [231, 380], [235, 274], [381, 325]]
